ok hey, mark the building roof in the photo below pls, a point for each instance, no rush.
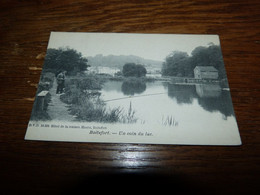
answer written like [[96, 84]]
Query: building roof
[[206, 68]]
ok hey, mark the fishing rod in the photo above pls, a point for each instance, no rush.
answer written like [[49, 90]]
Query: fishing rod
[[133, 97]]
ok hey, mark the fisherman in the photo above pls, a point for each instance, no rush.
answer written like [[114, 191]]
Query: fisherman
[[60, 81]]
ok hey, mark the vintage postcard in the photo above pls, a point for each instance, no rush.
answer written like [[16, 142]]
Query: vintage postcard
[[134, 88]]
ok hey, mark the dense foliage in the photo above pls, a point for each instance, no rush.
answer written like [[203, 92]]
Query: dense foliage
[[182, 65], [83, 96], [134, 70], [65, 59]]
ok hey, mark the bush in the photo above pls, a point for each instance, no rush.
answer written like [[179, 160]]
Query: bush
[[85, 103], [75, 88], [134, 70], [83, 96]]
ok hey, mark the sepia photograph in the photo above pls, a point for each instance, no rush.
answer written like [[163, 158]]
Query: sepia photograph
[[134, 88]]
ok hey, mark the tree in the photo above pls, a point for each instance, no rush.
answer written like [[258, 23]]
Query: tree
[[181, 64], [65, 59], [134, 70], [176, 64]]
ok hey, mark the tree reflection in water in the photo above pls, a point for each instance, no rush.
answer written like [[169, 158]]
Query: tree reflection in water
[[210, 97], [133, 86], [184, 94]]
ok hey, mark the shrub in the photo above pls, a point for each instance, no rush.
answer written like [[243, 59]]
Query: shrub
[[134, 70]]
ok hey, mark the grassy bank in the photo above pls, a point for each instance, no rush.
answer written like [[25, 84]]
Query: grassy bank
[[83, 96]]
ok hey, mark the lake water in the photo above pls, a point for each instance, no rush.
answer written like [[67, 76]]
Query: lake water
[[156, 102]]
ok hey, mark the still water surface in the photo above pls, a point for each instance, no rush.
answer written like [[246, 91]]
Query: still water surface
[[154, 102]]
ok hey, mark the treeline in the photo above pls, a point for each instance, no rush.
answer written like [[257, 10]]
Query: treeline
[[180, 64], [118, 61], [65, 59]]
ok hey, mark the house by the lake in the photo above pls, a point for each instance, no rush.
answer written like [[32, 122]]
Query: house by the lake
[[205, 72]]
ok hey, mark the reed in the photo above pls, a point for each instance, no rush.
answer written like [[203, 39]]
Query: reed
[[169, 121]]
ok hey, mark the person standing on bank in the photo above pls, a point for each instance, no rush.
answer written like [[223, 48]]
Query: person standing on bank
[[60, 81]]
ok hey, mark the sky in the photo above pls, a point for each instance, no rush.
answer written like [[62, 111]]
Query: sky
[[148, 46]]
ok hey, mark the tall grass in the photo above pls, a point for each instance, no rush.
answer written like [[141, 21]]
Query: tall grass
[[130, 116], [95, 110], [169, 121], [85, 102]]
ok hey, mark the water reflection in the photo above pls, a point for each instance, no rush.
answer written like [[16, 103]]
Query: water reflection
[[210, 97], [208, 90], [221, 103], [133, 86], [184, 94], [154, 102]]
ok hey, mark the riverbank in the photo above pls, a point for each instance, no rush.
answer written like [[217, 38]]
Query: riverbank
[[170, 79]]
